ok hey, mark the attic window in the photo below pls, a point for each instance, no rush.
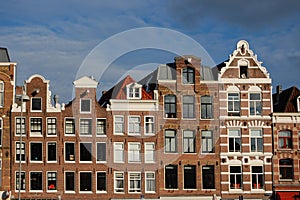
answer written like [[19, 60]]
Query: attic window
[[243, 71], [298, 103], [134, 91]]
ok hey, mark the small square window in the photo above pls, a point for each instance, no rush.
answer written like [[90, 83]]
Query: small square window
[[85, 105], [36, 104]]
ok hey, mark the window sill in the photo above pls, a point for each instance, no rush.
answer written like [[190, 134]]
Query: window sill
[[101, 192], [70, 192], [51, 135], [285, 180], [101, 162], [102, 135], [85, 192], [53, 162], [33, 161], [51, 191], [36, 191], [35, 135], [150, 192], [235, 190]]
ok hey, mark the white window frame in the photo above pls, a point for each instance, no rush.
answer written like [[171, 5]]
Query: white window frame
[[298, 103], [1, 132], [187, 106], [234, 138], [184, 138], [134, 91], [33, 134], [30, 151], [257, 174], [51, 135], [205, 142], [101, 191], [119, 123], [90, 105], [150, 179], [102, 161], [21, 125], [37, 191], [74, 183], [149, 152], [17, 181], [47, 184], [98, 134], [235, 174], [31, 104], [256, 137], [135, 179], [65, 126], [86, 126], [255, 105], [121, 150], [234, 100], [22, 151], [2, 94], [115, 182], [134, 127], [85, 192], [149, 124], [134, 152], [53, 161], [91, 153], [65, 153]]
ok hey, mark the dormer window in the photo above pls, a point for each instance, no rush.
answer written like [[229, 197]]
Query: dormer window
[[188, 75], [134, 91]]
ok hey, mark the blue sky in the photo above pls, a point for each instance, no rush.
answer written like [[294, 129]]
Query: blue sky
[[53, 38]]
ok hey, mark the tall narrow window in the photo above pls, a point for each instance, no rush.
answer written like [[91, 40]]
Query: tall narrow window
[[208, 177], [119, 125], [20, 151], [118, 152], [149, 152], [134, 125], [150, 182], [20, 126], [149, 125], [1, 131], [36, 181], [188, 106], [101, 152], [1, 93], [51, 151], [235, 177], [286, 171], [171, 177], [36, 104], [101, 181], [285, 140], [170, 106], [52, 180], [70, 126], [101, 126], [69, 151], [134, 182], [206, 107], [85, 152], [256, 140], [134, 152], [207, 142], [85, 126], [189, 177], [36, 151], [234, 140], [85, 179], [188, 75], [189, 141], [243, 71], [36, 127], [85, 105], [69, 181], [51, 126], [119, 182], [23, 181], [255, 104], [233, 104], [257, 177], [170, 141]]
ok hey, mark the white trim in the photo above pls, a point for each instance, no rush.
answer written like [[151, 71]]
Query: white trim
[[35, 191], [85, 192], [32, 161], [98, 191], [47, 152], [91, 153], [74, 185]]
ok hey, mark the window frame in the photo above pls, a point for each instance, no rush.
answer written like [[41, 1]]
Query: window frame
[[86, 129], [101, 127], [234, 138], [134, 127], [289, 166], [188, 175], [54, 178], [148, 123], [82, 106], [169, 141], [236, 184], [207, 106], [122, 190], [152, 179], [66, 184], [170, 106], [40, 160], [23, 152], [285, 139], [170, 176], [208, 174], [72, 159], [32, 106], [257, 185], [188, 138], [20, 126], [187, 74], [256, 139], [70, 123], [51, 127], [36, 127], [51, 161], [2, 94], [83, 157], [97, 184], [138, 179], [149, 152], [255, 104], [205, 140], [120, 123], [105, 156], [234, 99], [85, 181], [121, 150], [134, 154], [188, 108], [23, 181], [41, 181]]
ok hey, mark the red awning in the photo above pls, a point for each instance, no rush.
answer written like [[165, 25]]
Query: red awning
[[294, 195]]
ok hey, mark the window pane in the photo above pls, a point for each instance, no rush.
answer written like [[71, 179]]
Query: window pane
[[208, 175], [101, 181], [85, 181], [85, 151], [36, 181], [70, 181]]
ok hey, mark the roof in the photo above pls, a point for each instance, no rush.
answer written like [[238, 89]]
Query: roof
[[4, 57], [286, 101]]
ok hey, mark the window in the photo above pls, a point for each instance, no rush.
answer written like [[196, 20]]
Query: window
[[243, 71], [188, 75], [85, 179], [51, 181], [101, 181], [257, 177], [118, 152], [51, 153], [134, 125], [85, 126], [36, 181], [70, 126], [189, 141], [20, 151], [285, 140], [36, 151], [101, 152], [298, 103], [1, 93], [85, 105], [85, 152], [188, 106], [119, 125], [255, 104], [233, 104], [134, 152], [208, 177], [256, 140], [170, 141], [36, 104], [1, 125], [69, 181], [23, 181], [189, 177], [150, 182], [299, 140], [207, 145], [286, 169], [133, 91], [20, 126], [149, 152], [51, 126], [235, 177], [170, 106], [119, 182], [36, 126], [134, 182], [234, 140], [171, 179], [69, 151], [101, 126], [149, 125], [206, 107]]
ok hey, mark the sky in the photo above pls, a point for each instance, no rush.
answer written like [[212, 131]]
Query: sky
[[56, 38]]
